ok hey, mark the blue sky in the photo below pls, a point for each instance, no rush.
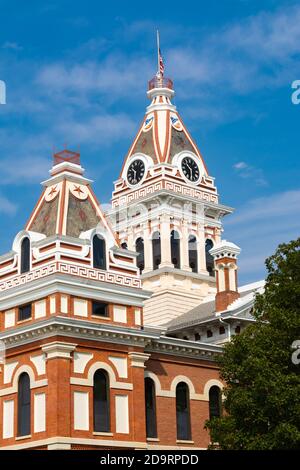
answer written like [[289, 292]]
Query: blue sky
[[76, 73]]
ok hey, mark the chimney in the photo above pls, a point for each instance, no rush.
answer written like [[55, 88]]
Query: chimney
[[225, 257]]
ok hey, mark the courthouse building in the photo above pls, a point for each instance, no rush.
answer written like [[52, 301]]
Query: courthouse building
[[112, 323]]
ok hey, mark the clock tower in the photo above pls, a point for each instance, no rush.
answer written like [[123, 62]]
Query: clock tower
[[165, 206]]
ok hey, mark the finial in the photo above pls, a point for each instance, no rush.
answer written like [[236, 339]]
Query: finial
[[159, 81]]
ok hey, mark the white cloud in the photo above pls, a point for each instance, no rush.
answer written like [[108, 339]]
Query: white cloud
[[240, 165], [116, 74], [6, 206], [12, 45], [250, 172], [97, 130]]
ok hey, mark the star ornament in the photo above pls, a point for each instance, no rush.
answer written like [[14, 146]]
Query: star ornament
[[51, 193], [79, 191]]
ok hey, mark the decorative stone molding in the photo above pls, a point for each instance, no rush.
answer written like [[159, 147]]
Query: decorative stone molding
[[58, 349], [138, 359], [74, 270]]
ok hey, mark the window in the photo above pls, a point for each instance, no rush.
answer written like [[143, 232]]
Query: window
[[24, 312], [139, 248], [193, 255], [209, 333], [99, 252], [237, 330], [183, 412], [209, 258], [124, 245], [175, 249], [25, 255], [24, 405], [151, 429], [215, 402], [197, 337], [101, 402], [222, 330], [99, 309], [156, 250]]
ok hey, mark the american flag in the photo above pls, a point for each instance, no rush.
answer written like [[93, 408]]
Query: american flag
[[161, 65]]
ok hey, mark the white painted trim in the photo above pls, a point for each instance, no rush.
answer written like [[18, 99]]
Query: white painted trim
[[58, 349], [67, 441], [33, 383], [148, 162], [89, 381], [138, 359], [177, 160], [182, 378], [210, 383]]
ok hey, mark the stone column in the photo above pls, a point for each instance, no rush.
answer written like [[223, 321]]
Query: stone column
[[137, 365], [165, 241], [184, 246], [130, 242], [201, 249], [59, 371], [148, 253]]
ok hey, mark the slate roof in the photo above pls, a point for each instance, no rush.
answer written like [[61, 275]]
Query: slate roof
[[206, 311]]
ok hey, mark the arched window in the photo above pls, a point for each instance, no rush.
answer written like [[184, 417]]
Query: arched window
[[151, 428], [193, 255], [183, 412], [175, 249], [99, 252], [156, 249], [101, 402], [124, 246], [24, 405], [215, 402], [139, 248], [209, 258], [25, 255]]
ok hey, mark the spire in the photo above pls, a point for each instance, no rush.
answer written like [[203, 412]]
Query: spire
[[162, 137]]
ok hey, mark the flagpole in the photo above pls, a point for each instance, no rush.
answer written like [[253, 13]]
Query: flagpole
[[157, 40]]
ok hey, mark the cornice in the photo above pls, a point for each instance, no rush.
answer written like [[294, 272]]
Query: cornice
[[68, 284], [175, 271], [148, 340]]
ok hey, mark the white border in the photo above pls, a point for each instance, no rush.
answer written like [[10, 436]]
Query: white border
[[147, 162], [177, 160]]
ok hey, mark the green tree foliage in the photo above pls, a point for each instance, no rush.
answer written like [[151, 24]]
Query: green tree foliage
[[262, 384]]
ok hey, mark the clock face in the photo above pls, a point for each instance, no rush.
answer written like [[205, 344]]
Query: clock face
[[136, 171], [190, 169]]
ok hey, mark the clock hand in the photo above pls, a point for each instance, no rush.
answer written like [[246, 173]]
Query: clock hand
[[189, 169]]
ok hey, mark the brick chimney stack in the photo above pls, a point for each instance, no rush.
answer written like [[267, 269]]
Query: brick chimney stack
[[225, 256]]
